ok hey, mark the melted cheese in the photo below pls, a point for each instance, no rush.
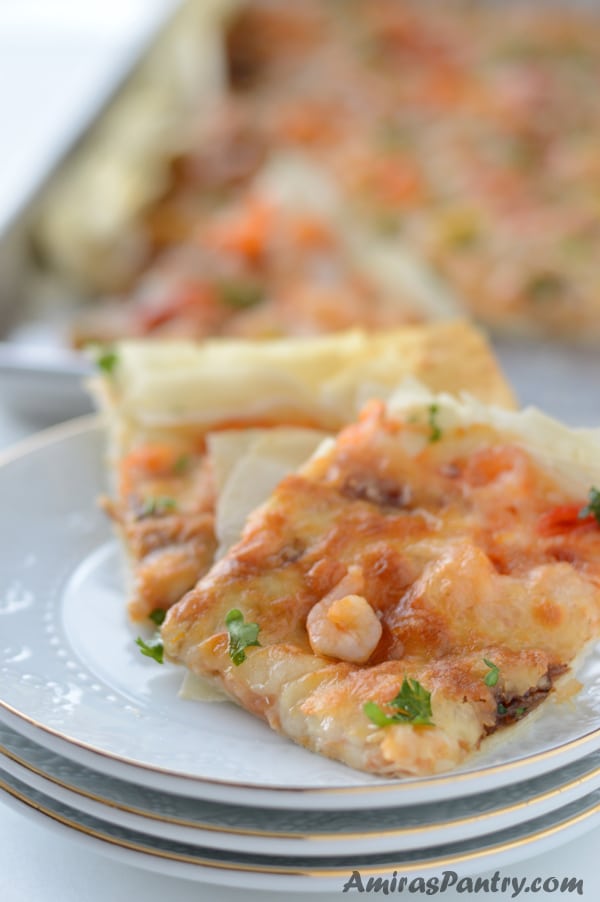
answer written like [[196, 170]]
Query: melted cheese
[[440, 504]]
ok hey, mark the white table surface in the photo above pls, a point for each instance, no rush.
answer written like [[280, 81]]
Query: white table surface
[[55, 56]]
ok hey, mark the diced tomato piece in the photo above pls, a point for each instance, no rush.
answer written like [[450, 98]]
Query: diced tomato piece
[[311, 234], [185, 298], [245, 234], [393, 180], [490, 464], [564, 518], [151, 460], [309, 123]]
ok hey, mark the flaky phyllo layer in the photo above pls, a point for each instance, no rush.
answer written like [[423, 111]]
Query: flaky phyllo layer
[[418, 584]]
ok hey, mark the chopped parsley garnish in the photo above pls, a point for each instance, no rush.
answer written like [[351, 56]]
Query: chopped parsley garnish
[[181, 465], [390, 135], [464, 237], [491, 677], [369, 49], [460, 229], [387, 222], [412, 704], [157, 505], [516, 713], [592, 508], [545, 286], [152, 649], [435, 433], [241, 294], [157, 616], [105, 358], [241, 635]]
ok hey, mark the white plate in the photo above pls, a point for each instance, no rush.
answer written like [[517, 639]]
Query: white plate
[[288, 874], [293, 833], [73, 680], [41, 383]]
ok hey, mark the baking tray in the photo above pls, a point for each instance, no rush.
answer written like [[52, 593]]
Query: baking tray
[[43, 381]]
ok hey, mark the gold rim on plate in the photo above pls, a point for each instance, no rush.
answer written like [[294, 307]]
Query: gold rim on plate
[[580, 781], [384, 870]]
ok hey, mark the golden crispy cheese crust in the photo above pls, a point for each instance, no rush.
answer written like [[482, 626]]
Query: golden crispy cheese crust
[[462, 549]]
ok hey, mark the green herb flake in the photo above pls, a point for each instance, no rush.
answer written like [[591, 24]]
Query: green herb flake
[[369, 49], [577, 244], [387, 223], [375, 713], [153, 649], [460, 229], [545, 287], [160, 504], [435, 433], [241, 295], [592, 508], [463, 237], [501, 709], [157, 616], [182, 464], [491, 677], [390, 135], [105, 358], [520, 712], [241, 635], [412, 704]]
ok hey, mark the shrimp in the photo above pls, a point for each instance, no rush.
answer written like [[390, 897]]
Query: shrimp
[[343, 624]]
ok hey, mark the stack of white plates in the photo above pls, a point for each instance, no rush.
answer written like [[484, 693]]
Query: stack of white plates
[[94, 738]]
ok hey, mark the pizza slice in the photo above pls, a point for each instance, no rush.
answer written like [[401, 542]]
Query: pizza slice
[[166, 402], [421, 582]]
